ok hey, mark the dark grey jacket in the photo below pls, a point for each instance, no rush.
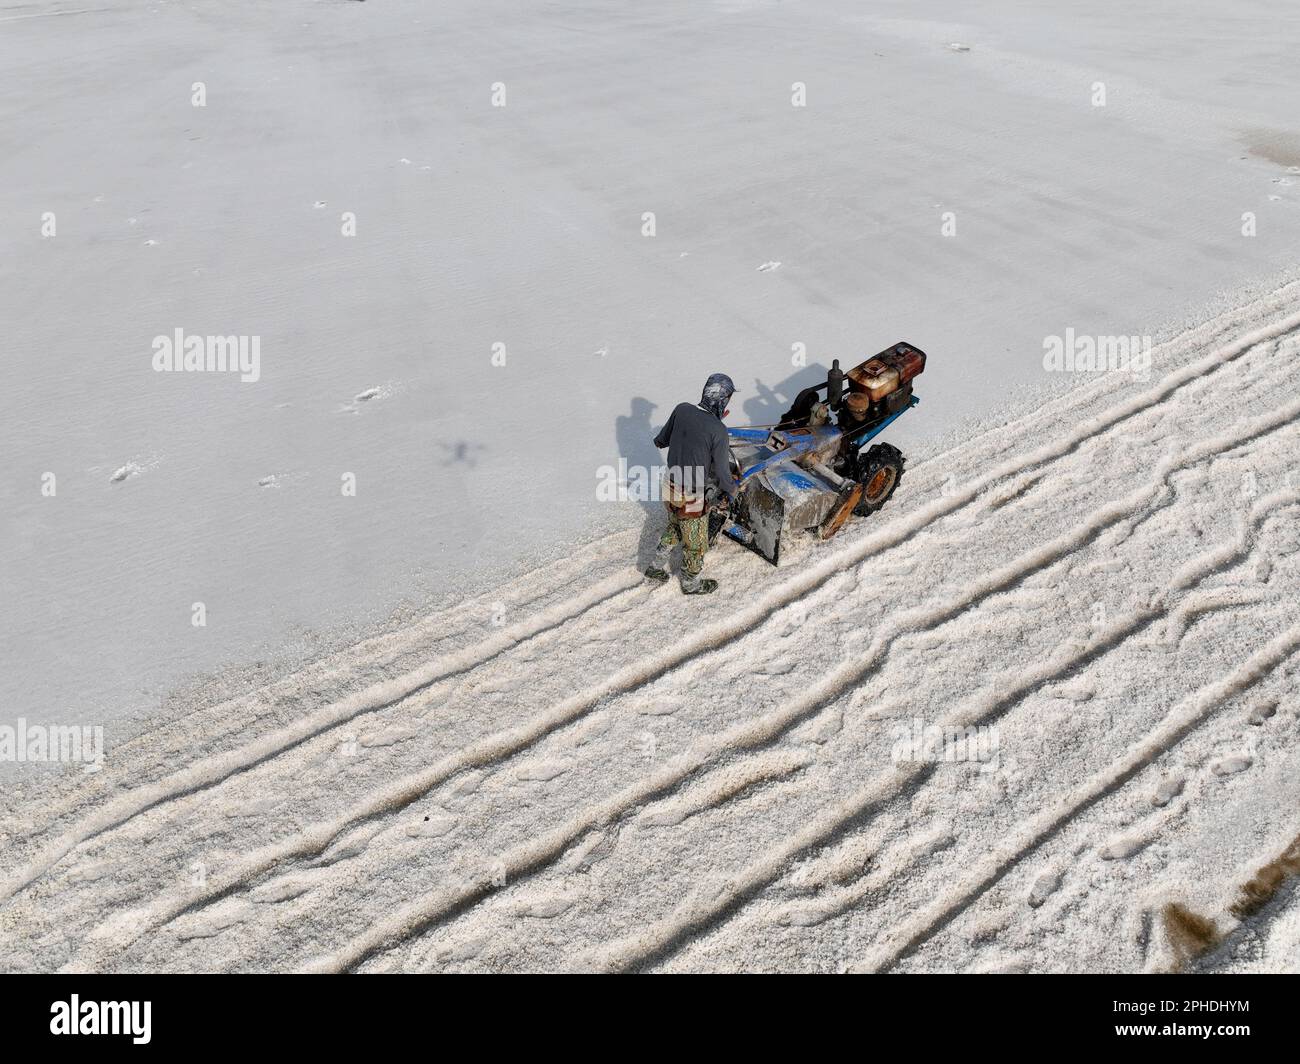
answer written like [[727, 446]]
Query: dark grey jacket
[[697, 439]]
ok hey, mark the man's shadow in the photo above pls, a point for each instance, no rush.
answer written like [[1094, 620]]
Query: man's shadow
[[634, 435], [765, 405]]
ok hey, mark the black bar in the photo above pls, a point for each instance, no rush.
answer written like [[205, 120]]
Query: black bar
[[224, 1013]]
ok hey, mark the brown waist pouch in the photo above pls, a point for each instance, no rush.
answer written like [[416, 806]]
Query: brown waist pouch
[[681, 502]]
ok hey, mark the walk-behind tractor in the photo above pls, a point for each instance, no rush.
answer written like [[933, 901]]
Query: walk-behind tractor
[[809, 472]]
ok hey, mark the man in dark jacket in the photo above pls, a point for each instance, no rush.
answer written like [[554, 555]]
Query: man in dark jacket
[[698, 479]]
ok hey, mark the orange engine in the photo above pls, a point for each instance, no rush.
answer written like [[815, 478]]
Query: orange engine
[[888, 371]]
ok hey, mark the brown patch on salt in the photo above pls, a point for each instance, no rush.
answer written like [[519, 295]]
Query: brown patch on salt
[[1261, 888], [1189, 935], [1275, 145]]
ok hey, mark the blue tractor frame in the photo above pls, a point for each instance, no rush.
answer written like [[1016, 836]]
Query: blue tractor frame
[[807, 477]]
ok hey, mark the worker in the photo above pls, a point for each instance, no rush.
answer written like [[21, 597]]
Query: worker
[[698, 481]]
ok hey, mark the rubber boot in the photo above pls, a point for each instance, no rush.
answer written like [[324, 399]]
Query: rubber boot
[[695, 585], [658, 571]]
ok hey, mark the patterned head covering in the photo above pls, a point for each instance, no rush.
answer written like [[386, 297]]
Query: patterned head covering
[[718, 390]]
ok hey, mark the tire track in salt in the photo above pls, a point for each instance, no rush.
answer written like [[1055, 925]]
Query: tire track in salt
[[395, 644], [385, 648], [504, 744], [228, 715], [1191, 712], [214, 770], [1084, 395], [815, 911], [530, 856], [658, 941]]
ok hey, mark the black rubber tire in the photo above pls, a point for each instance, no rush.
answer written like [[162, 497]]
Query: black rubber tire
[[880, 469]]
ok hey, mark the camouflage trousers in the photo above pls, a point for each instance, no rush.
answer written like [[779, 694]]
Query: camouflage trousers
[[693, 534]]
